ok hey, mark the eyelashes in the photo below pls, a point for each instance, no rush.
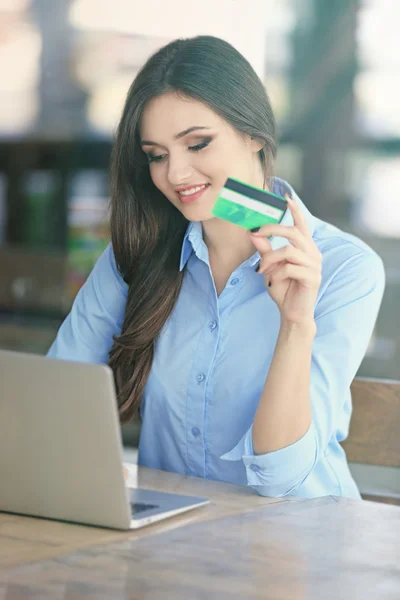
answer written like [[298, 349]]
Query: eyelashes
[[199, 147], [158, 158]]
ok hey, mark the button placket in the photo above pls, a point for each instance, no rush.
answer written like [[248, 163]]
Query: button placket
[[196, 433]]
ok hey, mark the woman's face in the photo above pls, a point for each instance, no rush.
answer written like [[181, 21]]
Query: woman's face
[[192, 151]]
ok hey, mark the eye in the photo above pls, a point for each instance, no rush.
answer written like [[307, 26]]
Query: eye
[[158, 158], [200, 146], [153, 158]]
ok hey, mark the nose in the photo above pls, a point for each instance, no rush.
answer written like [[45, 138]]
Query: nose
[[179, 170]]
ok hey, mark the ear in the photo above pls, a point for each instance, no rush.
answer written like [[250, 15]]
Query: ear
[[256, 145]]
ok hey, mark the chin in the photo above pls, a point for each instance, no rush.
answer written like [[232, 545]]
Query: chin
[[196, 213], [199, 217]]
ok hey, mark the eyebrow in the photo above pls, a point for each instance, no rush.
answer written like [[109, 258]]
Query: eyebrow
[[177, 136]]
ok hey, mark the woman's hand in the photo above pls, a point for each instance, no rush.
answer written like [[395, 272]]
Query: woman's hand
[[292, 274]]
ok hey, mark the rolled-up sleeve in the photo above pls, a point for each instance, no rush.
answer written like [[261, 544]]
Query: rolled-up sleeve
[[345, 316], [97, 314]]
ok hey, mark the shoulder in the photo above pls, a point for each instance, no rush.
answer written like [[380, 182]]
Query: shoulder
[[353, 274], [106, 271], [344, 253]]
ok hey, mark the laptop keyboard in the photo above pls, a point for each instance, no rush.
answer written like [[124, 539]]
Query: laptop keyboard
[[138, 507]]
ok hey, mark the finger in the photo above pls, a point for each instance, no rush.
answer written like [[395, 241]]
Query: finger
[[268, 272], [304, 275], [292, 234], [262, 244], [298, 217], [288, 254]]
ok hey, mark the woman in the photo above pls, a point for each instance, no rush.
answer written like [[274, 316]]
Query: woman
[[238, 349]]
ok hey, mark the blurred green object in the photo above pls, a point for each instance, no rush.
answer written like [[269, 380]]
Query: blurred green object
[[88, 230], [41, 189]]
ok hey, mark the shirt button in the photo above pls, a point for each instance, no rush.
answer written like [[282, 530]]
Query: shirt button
[[255, 468], [200, 377], [196, 431], [235, 281], [213, 325]]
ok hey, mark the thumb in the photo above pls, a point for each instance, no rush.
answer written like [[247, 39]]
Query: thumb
[[262, 244]]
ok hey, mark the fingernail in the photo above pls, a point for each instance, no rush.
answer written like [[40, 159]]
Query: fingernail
[[255, 229]]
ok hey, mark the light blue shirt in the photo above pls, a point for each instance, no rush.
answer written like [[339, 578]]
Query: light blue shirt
[[213, 355]]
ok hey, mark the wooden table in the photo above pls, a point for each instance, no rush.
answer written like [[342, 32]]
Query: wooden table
[[241, 546]]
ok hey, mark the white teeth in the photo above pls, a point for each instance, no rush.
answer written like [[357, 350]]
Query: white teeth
[[192, 190]]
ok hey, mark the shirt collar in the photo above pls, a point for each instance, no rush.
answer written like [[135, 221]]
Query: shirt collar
[[193, 240]]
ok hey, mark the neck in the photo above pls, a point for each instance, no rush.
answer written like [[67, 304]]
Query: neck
[[228, 245]]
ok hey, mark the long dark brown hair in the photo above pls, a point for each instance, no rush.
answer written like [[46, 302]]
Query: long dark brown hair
[[147, 231]]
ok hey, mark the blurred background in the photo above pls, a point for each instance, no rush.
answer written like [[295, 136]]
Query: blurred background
[[331, 70]]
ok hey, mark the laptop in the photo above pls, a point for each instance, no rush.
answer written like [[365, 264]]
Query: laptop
[[61, 450]]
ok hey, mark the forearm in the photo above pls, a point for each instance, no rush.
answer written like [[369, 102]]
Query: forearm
[[284, 412]]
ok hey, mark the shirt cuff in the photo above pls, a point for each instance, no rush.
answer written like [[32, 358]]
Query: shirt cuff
[[278, 472]]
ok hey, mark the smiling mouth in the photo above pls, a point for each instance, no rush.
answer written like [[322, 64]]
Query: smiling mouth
[[192, 190], [193, 193]]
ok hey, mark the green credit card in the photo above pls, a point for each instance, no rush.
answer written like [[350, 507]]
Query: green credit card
[[248, 206]]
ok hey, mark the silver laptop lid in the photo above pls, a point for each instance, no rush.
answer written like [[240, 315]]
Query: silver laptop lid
[[60, 441]]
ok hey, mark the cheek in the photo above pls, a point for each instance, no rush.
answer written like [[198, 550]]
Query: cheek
[[156, 173], [217, 161], [228, 149], [224, 161]]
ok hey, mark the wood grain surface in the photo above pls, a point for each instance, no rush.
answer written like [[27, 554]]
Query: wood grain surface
[[23, 539], [242, 546]]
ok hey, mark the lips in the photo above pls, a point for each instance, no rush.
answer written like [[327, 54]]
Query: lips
[[187, 198]]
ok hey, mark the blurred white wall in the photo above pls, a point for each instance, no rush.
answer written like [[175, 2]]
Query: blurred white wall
[[240, 22]]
